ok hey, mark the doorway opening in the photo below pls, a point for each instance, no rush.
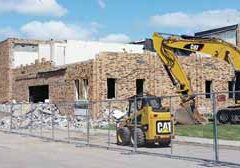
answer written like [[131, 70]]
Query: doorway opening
[[38, 93]]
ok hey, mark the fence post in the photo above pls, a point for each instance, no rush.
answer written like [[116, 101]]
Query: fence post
[[135, 125], [88, 123], [68, 122], [11, 119], [31, 106], [41, 126], [53, 117], [109, 112], [172, 125], [215, 127]]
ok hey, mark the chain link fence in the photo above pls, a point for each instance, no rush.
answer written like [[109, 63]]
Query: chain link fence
[[96, 123]]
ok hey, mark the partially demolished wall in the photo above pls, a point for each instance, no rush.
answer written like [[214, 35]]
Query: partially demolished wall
[[126, 68], [5, 69]]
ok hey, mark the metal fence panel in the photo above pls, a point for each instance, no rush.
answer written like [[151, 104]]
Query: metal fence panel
[[195, 140], [94, 123], [228, 132]]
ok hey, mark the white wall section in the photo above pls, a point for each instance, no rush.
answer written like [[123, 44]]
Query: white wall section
[[68, 52]]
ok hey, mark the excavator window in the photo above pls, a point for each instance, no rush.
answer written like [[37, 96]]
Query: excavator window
[[180, 52], [139, 104], [132, 106], [154, 102]]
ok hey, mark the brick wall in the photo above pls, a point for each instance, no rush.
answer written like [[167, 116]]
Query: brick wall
[[61, 85], [125, 68], [212, 69], [82, 70], [5, 77], [59, 79], [6, 59], [26, 76]]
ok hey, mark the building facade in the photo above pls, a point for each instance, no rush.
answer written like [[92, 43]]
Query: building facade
[[119, 73]]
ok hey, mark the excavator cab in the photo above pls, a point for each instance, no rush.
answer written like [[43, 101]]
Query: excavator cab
[[154, 123], [141, 102]]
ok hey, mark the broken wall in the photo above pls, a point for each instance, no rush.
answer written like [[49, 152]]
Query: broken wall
[[27, 76], [7, 63], [5, 69], [77, 71], [202, 69], [126, 68], [59, 79]]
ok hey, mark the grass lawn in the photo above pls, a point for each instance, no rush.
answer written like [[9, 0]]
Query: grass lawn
[[227, 132]]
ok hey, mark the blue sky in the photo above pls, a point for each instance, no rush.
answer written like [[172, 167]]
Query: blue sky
[[112, 20]]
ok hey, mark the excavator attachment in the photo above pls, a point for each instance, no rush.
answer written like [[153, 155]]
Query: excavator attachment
[[188, 114]]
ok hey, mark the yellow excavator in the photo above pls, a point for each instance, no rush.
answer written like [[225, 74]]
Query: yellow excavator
[[166, 48], [147, 120]]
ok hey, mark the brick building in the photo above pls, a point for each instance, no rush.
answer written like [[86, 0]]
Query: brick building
[[38, 70]]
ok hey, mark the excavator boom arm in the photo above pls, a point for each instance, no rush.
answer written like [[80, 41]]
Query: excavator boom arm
[[187, 114], [211, 46], [172, 65]]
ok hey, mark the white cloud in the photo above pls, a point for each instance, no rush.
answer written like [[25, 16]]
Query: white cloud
[[202, 20], [101, 3], [62, 31], [33, 7], [57, 30], [116, 38], [8, 32]]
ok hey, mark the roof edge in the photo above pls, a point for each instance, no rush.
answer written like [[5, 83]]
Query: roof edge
[[216, 30]]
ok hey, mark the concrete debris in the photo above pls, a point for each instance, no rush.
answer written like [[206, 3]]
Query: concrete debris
[[41, 115], [117, 114], [108, 118]]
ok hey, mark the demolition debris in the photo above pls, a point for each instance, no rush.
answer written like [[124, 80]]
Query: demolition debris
[[48, 115]]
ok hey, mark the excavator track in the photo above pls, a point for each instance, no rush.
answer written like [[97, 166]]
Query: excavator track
[[229, 115]]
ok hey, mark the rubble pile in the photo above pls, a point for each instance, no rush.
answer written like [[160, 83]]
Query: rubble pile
[[47, 115], [107, 117], [39, 115]]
